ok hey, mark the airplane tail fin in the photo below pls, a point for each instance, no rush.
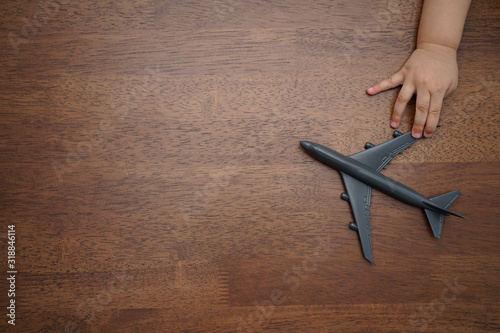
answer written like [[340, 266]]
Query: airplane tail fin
[[440, 206]]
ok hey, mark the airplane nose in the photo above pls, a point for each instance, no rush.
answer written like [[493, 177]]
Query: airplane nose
[[306, 145]]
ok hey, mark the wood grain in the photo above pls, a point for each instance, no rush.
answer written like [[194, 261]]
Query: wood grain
[[151, 166]]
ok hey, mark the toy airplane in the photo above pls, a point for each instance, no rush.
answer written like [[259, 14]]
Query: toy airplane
[[361, 172]]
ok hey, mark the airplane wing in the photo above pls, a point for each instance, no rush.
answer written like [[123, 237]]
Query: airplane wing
[[379, 156], [360, 199]]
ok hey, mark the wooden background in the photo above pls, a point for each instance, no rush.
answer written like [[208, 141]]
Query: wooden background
[[151, 166]]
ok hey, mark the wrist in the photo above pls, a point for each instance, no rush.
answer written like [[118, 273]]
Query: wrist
[[436, 47]]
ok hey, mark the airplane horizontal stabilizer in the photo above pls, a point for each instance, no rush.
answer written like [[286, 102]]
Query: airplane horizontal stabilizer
[[443, 202]]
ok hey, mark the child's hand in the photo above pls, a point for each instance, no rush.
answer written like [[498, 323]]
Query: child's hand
[[431, 72]]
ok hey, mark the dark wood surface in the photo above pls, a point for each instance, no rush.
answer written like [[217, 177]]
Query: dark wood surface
[[151, 167]]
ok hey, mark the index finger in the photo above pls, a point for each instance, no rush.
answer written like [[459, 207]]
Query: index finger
[[392, 82]]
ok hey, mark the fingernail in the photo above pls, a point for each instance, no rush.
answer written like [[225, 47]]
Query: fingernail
[[427, 135], [416, 135], [394, 124], [370, 90]]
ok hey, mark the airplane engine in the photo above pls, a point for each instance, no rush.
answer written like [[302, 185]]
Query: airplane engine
[[369, 145], [396, 134]]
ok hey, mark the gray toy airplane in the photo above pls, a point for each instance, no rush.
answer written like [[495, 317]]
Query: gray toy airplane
[[361, 172]]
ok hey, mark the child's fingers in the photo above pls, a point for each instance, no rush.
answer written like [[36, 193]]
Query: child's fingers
[[421, 112], [391, 82], [433, 116], [404, 96]]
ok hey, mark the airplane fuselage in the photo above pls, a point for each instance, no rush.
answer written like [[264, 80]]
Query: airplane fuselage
[[369, 176]]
